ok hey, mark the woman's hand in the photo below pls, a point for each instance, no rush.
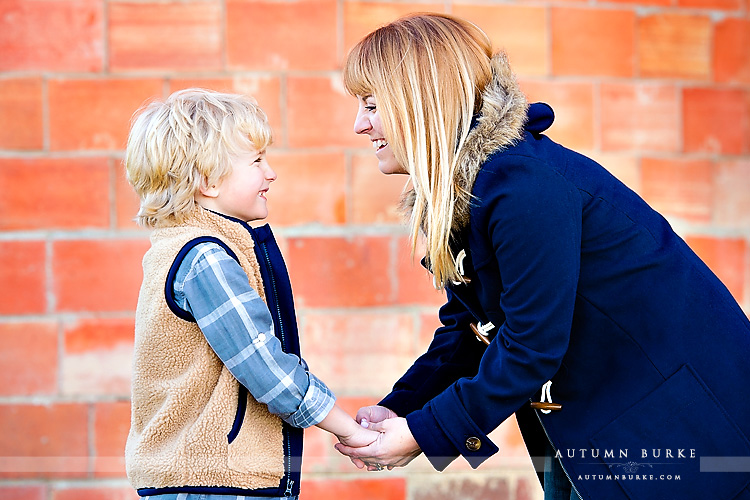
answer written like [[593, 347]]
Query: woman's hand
[[394, 447]]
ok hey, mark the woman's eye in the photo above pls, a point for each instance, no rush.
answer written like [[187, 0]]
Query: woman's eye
[[370, 108]]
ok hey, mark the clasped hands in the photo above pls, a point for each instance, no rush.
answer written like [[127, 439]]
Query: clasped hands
[[394, 445]]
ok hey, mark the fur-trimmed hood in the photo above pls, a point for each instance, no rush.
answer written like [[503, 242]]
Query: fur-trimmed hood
[[498, 125]]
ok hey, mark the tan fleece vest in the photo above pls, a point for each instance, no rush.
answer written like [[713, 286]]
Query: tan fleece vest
[[184, 399]]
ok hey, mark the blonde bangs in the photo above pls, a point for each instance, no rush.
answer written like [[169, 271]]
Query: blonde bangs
[[359, 72]]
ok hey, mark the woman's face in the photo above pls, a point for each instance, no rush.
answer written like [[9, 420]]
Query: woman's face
[[368, 122]]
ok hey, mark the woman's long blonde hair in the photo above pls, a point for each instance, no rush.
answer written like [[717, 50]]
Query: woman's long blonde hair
[[427, 72]]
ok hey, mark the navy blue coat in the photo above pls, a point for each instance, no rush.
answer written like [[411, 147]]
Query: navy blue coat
[[589, 287]]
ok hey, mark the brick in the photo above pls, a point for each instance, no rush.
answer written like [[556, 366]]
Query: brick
[[318, 454], [95, 114], [625, 167], [731, 51], [361, 18], [682, 188], [28, 355], [103, 346], [74, 194], [310, 188], [341, 272], [466, 489], [414, 281], [526, 489], [727, 259], [347, 350], [47, 441], [127, 203], [382, 489], [674, 46], [266, 90], [97, 275], [374, 196], [711, 4], [351, 405], [732, 198], [298, 35], [520, 30], [111, 427], [26, 43], [95, 493], [23, 277], [654, 3], [21, 111], [640, 117], [593, 42], [512, 438], [574, 110], [428, 323], [176, 36], [716, 120], [321, 113], [218, 84], [34, 492]]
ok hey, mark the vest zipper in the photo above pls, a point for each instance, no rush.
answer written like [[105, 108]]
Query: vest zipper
[[290, 482]]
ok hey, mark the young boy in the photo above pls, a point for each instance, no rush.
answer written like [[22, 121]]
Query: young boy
[[219, 394]]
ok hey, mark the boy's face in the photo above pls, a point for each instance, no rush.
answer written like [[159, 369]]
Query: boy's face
[[242, 194]]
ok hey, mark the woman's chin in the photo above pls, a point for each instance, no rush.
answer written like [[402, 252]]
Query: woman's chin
[[391, 168]]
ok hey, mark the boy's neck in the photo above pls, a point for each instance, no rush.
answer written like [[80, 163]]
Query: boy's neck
[[228, 217]]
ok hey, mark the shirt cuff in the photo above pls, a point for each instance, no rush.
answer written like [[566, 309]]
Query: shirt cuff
[[315, 406]]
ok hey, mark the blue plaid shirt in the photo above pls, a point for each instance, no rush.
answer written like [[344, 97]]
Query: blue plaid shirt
[[212, 286]]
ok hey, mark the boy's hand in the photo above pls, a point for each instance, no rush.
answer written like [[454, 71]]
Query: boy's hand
[[394, 447], [360, 437]]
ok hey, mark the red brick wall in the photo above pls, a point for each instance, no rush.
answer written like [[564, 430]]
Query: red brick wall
[[657, 90]]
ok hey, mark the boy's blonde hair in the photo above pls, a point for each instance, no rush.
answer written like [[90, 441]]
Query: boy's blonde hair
[[427, 73], [186, 141]]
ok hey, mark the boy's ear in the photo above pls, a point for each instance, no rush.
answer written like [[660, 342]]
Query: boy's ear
[[209, 191]]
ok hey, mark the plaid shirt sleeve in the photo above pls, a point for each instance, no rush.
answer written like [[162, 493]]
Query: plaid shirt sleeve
[[213, 287]]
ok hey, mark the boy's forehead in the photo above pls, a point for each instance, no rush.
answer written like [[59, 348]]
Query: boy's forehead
[[249, 151]]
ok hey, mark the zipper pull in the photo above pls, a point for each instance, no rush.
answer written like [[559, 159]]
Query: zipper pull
[[289, 485]]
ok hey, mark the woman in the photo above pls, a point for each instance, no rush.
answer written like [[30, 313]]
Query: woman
[[624, 359]]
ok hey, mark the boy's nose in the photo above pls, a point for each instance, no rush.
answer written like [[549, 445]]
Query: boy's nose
[[270, 173]]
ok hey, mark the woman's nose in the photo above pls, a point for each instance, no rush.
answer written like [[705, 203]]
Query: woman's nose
[[361, 124]]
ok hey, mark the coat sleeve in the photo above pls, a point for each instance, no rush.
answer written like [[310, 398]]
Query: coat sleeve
[[531, 218], [453, 353]]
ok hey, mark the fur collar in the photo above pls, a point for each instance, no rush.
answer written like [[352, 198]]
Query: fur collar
[[498, 125]]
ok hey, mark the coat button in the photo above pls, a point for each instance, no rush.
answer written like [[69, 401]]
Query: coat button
[[473, 444]]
